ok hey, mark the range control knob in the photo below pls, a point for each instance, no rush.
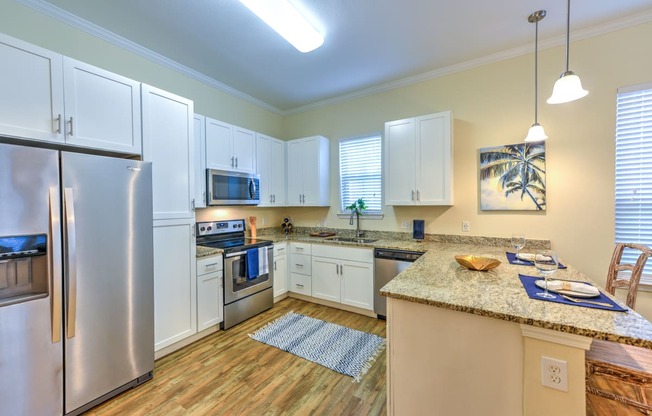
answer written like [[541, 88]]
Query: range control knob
[[202, 229], [210, 228]]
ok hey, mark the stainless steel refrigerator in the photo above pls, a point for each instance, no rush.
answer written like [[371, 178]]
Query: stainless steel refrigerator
[[76, 279]]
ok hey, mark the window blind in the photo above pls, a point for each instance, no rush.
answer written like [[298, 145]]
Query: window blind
[[361, 172], [634, 171]]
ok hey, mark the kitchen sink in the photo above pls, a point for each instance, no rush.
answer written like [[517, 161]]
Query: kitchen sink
[[352, 239]]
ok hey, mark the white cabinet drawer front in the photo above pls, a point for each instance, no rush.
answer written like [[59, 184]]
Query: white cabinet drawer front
[[280, 249], [209, 265], [301, 284], [300, 248], [344, 253], [300, 264]]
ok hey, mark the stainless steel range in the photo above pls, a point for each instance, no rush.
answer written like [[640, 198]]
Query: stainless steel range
[[248, 277]]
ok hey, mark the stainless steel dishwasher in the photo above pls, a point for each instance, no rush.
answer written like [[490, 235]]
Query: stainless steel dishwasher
[[388, 264]]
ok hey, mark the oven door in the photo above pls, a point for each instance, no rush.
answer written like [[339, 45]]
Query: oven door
[[236, 283], [232, 188]]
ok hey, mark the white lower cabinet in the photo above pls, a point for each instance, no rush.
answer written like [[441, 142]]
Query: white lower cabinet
[[175, 292], [280, 269], [343, 275], [210, 275]]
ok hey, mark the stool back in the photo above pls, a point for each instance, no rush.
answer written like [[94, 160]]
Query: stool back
[[636, 269]]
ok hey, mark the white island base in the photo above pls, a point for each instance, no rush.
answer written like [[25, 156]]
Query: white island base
[[444, 362]]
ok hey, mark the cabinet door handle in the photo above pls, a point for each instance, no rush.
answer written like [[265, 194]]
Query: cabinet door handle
[[418, 195], [270, 198], [70, 132], [413, 195], [59, 123], [236, 163], [274, 201], [232, 161], [337, 269], [298, 265], [300, 248], [274, 265], [192, 204], [299, 285]]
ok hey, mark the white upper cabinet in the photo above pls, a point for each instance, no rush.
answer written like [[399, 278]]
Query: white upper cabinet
[[229, 147], [31, 85], [168, 137], [102, 109], [308, 176], [270, 164], [49, 97], [200, 161], [418, 160]]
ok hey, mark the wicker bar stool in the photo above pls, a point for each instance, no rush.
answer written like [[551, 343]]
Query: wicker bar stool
[[619, 377]]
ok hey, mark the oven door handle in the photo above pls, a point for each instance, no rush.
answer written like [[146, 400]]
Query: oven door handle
[[239, 253]]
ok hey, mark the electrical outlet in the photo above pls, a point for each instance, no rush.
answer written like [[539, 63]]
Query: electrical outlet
[[406, 224], [554, 373], [466, 226]]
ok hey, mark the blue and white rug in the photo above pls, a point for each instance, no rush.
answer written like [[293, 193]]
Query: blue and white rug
[[339, 348]]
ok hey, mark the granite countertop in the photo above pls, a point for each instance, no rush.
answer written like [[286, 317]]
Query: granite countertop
[[203, 251], [437, 279]]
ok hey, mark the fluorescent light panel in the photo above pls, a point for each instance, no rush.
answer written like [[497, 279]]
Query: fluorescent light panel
[[286, 20]]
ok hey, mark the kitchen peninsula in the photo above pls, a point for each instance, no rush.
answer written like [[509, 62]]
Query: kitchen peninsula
[[470, 342]]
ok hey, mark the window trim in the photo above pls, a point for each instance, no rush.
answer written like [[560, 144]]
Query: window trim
[[371, 215]]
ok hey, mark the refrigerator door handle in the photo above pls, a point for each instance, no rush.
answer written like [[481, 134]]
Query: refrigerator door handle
[[55, 264], [71, 246]]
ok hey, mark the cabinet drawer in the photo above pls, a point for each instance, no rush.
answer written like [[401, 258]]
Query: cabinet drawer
[[209, 265], [300, 248], [300, 283], [365, 255], [280, 249], [300, 264]]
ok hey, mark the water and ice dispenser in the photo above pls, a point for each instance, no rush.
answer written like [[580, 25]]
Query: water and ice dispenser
[[23, 268]]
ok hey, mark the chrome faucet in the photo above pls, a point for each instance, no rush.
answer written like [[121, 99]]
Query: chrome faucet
[[358, 233]]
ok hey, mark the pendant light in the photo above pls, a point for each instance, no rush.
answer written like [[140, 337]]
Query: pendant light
[[568, 87], [536, 133]]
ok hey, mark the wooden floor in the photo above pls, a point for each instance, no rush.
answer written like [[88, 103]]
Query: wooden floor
[[228, 373]]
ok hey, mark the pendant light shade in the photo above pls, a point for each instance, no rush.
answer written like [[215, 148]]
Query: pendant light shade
[[536, 133], [568, 87]]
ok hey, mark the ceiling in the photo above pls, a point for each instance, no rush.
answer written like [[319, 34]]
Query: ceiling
[[368, 43]]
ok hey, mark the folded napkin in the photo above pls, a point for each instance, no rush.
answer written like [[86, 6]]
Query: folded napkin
[[530, 257], [578, 287], [525, 257]]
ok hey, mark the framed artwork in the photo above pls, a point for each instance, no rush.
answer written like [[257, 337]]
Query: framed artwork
[[513, 177]]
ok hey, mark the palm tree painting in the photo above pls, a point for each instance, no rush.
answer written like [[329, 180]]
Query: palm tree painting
[[513, 177]]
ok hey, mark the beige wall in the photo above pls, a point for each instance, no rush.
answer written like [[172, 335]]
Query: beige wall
[[492, 105]]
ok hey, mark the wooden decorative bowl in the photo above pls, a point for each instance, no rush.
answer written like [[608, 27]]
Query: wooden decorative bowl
[[477, 262]]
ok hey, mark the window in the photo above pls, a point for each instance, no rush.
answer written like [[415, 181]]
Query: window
[[361, 172], [634, 170]]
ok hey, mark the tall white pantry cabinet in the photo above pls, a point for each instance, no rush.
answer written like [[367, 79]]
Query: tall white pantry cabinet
[[168, 142]]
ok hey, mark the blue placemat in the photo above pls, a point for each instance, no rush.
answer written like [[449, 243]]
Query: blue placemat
[[511, 257], [532, 289]]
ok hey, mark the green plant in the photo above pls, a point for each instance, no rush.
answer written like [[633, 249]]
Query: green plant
[[358, 206]]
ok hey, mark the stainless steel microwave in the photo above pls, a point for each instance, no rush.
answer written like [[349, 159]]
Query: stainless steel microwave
[[232, 188]]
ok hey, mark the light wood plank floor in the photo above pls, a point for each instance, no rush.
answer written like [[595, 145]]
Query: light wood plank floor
[[228, 373]]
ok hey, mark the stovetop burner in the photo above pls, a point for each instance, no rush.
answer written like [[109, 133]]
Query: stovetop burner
[[227, 235]]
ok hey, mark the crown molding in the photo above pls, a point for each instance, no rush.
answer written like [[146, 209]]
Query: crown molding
[[108, 36], [101, 33], [586, 33]]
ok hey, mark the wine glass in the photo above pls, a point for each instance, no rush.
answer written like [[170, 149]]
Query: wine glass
[[546, 262], [518, 242]]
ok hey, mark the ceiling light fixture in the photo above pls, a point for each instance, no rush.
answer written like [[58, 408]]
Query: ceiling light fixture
[[568, 87], [536, 133], [286, 20]]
